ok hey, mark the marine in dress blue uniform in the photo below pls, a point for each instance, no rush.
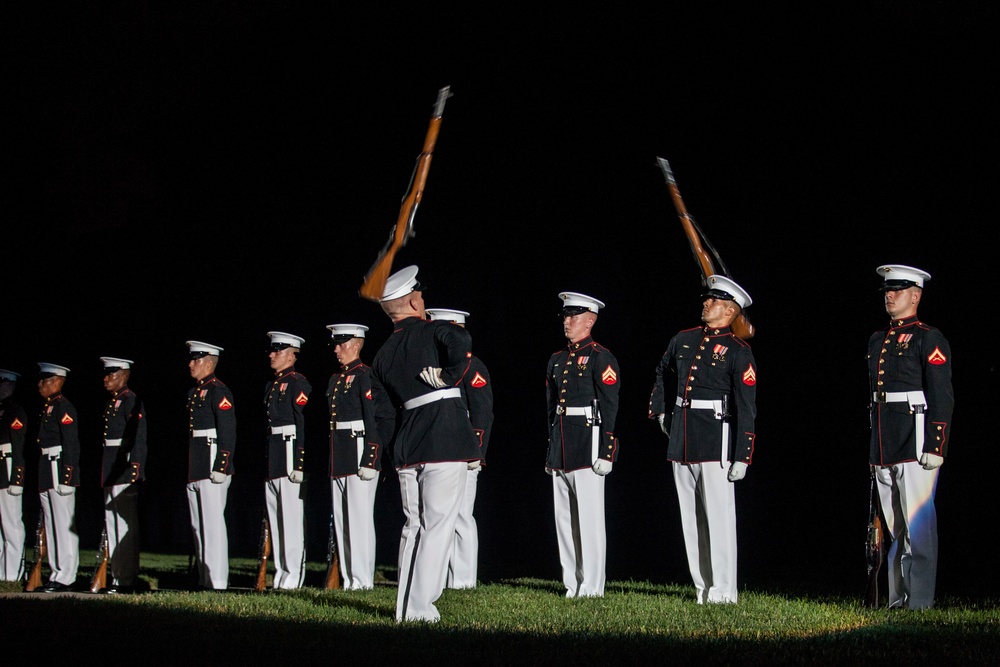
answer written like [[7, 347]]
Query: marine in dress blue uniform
[[355, 456], [420, 367], [58, 477], [211, 446], [285, 398], [477, 391], [909, 371], [705, 400], [13, 423], [123, 467], [582, 383]]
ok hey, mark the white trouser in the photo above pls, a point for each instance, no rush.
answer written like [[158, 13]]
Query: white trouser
[[207, 502], [121, 519], [432, 494], [463, 567], [61, 543], [354, 526], [906, 494], [581, 531], [707, 502], [12, 534], [285, 502]]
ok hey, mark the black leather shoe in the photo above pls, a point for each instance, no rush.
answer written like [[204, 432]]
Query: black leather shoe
[[118, 590], [55, 587]]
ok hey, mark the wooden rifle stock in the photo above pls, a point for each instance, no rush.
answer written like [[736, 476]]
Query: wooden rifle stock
[[374, 282], [741, 326], [35, 576], [333, 560], [873, 546], [100, 578], [264, 553]]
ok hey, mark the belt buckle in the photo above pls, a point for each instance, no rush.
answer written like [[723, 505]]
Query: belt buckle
[[560, 410], [685, 402], [880, 397]]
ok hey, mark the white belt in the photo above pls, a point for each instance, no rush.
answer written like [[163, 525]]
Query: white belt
[[52, 452], [355, 425], [716, 406], [595, 435], [357, 428], [288, 433], [213, 449], [451, 392], [917, 402], [117, 442], [911, 397]]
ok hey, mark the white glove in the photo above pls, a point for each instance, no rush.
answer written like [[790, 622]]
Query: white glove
[[737, 471], [474, 465], [550, 472], [295, 477], [930, 461], [602, 467], [663, 427], [367, 474], [218, 477], [432, 376], [65, 490], [15, 490]]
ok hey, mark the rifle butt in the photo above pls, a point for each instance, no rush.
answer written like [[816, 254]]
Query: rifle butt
[[742, 328], [34, 577], [374, 284], [260, 585], [34, 580], [100, 579], [333, 574]]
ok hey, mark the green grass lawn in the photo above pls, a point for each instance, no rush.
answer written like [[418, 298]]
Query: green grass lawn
[[508, 622]]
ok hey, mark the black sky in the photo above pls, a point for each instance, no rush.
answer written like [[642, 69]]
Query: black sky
[[215, 171]]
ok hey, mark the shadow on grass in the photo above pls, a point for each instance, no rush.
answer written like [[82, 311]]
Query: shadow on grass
[[169, 636]]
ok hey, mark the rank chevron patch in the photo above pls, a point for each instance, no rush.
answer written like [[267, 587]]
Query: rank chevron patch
[[224, 404], [16, 424], [478, 381], [609, 376], [66, 419], [937, 357], [750, 376], [302, 399]]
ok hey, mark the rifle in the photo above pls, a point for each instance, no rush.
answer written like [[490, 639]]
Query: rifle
[[873, 546], [265, 553], [402, 231], [333, 561], [100, 578], [741, 326], [35, 576]]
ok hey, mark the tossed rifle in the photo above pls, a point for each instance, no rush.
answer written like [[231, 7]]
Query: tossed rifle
[[35, 576], [402, 231], [100, 578], [873, 546], [333, 561], [741, 326], [264, 553]]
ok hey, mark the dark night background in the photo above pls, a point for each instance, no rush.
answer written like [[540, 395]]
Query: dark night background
[[214, 171]]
